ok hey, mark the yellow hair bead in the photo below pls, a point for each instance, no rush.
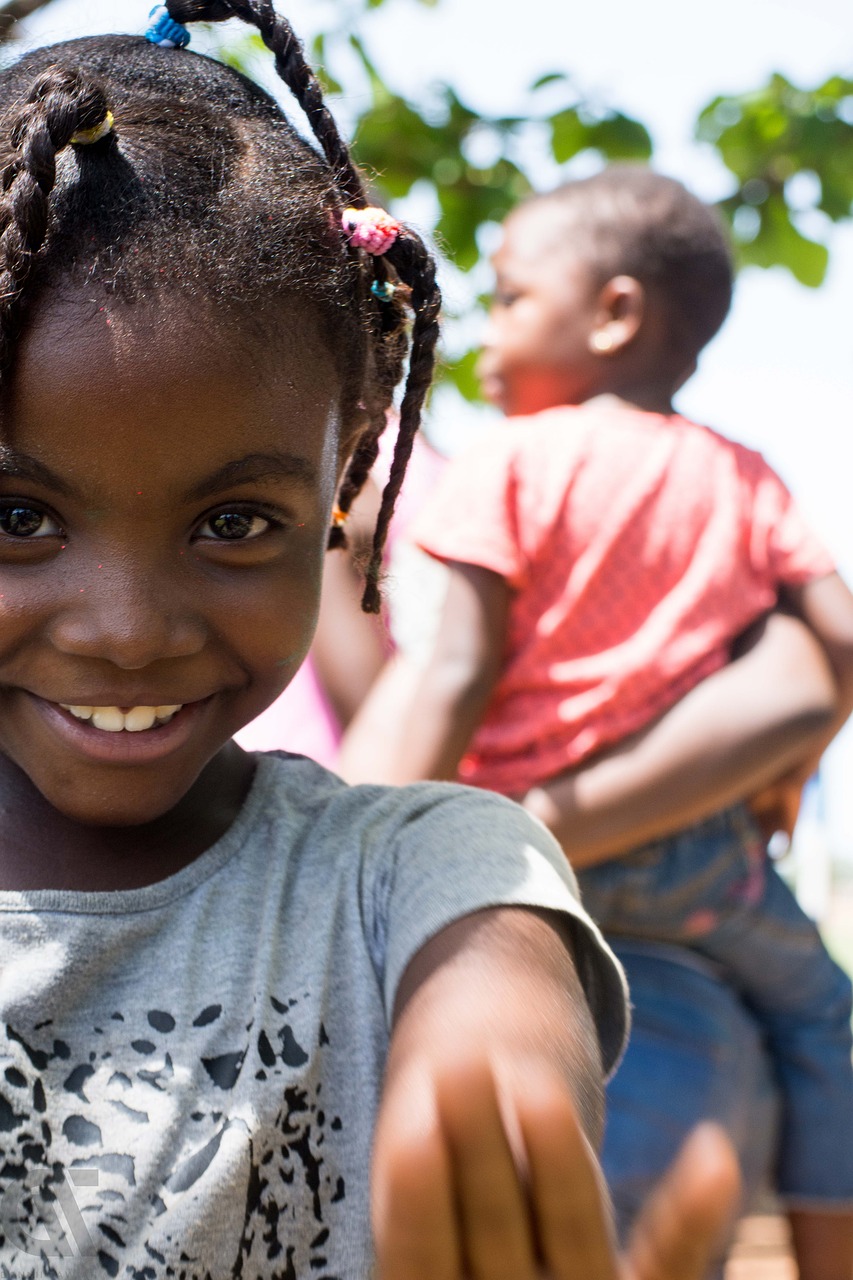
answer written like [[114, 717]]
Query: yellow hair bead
[[85, 137]]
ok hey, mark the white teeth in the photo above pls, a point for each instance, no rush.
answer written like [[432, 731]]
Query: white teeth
[[108, 718], [113, 719], [139, 718]]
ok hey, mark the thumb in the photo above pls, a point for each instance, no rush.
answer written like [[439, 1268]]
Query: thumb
[[684, 1223]]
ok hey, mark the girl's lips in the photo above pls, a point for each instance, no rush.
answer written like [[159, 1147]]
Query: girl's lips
[[123, 747]]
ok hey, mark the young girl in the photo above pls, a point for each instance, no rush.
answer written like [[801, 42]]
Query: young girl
[[605, 554], [217, 970]]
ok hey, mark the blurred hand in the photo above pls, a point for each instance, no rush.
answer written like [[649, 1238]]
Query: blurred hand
[[496, 1181]]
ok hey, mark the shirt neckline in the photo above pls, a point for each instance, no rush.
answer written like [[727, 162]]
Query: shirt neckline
[[151, 896]]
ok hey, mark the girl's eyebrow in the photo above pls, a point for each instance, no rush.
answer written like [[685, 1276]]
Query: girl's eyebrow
[[256, 468], [20, 466]]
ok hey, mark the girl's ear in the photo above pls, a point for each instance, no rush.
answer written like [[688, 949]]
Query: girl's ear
[[619, 314]]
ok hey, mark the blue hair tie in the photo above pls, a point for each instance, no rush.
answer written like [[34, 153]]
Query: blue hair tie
[[165, 31], [384, 290]]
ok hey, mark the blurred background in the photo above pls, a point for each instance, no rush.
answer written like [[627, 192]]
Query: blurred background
[[460, 107]]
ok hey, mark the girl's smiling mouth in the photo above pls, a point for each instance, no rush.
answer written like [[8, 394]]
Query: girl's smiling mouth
[[131, 719], [123, 735]]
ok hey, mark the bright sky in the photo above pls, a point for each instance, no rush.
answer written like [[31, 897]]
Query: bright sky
[[780, 375]]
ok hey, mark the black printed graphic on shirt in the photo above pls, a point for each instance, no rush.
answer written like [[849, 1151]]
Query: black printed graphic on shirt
[[167, 1150]]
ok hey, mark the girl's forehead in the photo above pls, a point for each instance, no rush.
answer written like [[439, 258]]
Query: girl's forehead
[[176, 385], [178, 328]]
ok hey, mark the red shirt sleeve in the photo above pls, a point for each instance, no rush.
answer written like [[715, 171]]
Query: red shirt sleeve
[[472, 515], [783, 546]]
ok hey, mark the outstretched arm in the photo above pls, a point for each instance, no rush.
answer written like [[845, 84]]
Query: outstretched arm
[[733, 734], [483, 1159], [418, 724]]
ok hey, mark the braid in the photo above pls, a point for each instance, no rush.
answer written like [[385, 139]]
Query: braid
[[60, 103], [279, 37], [416, 268]]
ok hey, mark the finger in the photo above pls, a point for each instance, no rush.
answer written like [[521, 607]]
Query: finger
[[414, 1217], [491, 1200], [570, 1205], [682, 1227]]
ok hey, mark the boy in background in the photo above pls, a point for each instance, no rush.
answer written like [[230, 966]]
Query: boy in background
[[605, 555]]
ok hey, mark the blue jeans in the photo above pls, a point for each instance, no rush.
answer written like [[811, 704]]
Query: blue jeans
[[695, 1053], [713, 889]]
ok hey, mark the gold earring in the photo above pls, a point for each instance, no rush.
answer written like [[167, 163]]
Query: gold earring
[[602, 341]]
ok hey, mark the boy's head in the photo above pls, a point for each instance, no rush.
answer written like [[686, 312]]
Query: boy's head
[[612, 283]]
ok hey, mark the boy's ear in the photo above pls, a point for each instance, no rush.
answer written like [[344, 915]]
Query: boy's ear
[[619, 314]]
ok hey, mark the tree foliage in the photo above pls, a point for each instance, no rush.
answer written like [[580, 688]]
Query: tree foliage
[[402, 145], [788, 150]]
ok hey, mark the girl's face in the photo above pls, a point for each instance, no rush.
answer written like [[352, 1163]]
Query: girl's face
[[536, 349], [165, 489]]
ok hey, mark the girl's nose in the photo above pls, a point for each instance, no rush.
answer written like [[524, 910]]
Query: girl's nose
[[123, 616]]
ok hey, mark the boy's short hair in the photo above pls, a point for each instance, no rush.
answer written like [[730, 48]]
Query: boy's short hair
[[632, 221]]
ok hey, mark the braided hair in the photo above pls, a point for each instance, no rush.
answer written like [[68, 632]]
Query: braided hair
[[204, 186]]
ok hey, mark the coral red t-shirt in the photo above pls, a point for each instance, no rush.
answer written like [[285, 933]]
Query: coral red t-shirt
[[636, 546]]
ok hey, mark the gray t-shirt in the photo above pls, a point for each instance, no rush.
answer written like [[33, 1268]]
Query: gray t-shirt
[[189, 1072]]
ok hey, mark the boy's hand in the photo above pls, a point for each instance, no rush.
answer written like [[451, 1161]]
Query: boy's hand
[[482, 1180]]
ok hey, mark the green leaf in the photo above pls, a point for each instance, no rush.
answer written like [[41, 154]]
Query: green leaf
[[616, 136], [241, 52], [619, 137], [551, 77], [377, 85], [478, 196], [779, 243], [328, 83], [568, 134], [779, 130], [462, 374], [394, 141]]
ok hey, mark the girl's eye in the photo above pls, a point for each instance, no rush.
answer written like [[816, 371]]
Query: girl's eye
[[234, 526], [20, 521]]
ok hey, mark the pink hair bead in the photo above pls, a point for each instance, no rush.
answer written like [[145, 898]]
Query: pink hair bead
[[371, 229]]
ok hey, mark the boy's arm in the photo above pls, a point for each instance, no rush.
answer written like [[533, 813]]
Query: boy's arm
[[451, 694], [733, 734], [483, 1158], [826, 606]]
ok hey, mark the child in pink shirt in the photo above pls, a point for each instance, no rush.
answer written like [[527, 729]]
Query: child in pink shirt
[[605, 555]]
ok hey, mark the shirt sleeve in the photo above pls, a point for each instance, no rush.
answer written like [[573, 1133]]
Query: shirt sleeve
[[455, 850], [471, 516], [784, 548]]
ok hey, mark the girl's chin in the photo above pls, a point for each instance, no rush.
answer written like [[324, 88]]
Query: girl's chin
[[116, 802]]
